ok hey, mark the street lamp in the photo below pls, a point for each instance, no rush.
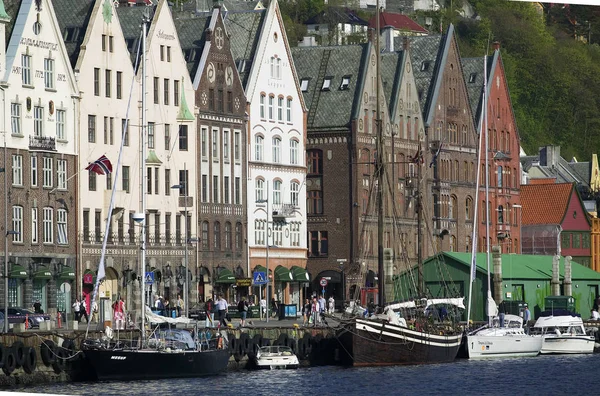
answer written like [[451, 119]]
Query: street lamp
[[183, 190], [266, 200]]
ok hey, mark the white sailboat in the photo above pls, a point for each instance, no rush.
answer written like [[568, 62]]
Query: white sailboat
[[494, 340], [563, 334]]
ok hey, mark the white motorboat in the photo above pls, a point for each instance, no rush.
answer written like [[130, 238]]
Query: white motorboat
[[276, 357], [508, 341], [563, 334]]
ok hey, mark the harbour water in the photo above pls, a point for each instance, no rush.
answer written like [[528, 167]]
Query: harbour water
[[542, 375]]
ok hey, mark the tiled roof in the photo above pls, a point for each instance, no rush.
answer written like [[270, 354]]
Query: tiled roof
[[332, 108], [191, 32], [525, 266], [424, 52], [474, 79], [397, 21], [545, 203], [73, 17], [391, 65], [130, 19], [243, 29]]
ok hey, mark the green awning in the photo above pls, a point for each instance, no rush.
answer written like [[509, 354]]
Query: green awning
[[260, 268], [184, 113], [225, 276], [18, 272], [283, 274], [153, 158], [43, 273], [300, 274], [67, 273]]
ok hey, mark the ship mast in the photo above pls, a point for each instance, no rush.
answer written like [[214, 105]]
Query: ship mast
[[145, 20]]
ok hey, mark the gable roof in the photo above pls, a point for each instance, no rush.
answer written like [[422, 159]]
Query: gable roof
[[244, 29], [73, 18], [130, 19], [192, 37], [545, 203], [474, 79], [398, 22], [335, 107], [524, 266], [391, 68]]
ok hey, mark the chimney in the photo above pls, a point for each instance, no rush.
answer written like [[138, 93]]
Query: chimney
[[554, 285], [496, 45], [405, 43], [567, 281], [388, 34], [497, 262], [549, 155]]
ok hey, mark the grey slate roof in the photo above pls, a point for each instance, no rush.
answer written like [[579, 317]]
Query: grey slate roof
[[12, 10], [474, 79], [390, 67], [73, 18], [192, 32], [244, 30], [130, 19], [334, 108], [423, 49]]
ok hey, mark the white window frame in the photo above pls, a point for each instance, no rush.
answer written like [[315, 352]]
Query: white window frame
[[236, 145], [48, 222], [61, 118], [260, 190], [277, 192], [276, 149], [294, 145], [304, 85], [34, 171], [204, 142], [38, 121], [62, 237], [26, 69], [262, 106], [61, 173], [49, 73], [47, 172], [289, 109], [271, 105], [280, 109], [17, 224], [215, 143], [226, 145], [15, 118], [294, 193], [259, 141], [17, 165], [34, 226]]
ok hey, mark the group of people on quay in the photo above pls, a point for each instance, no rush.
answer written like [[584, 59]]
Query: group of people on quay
[[313, 311]]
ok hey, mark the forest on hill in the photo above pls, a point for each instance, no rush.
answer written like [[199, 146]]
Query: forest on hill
[[552, 69]]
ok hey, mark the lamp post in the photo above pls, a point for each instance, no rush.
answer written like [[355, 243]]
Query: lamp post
[[183, 188], [266, 200], [5, 238]]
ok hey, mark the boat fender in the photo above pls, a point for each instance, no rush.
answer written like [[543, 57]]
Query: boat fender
[[282, 340], [303, 348], [293, 344], [257, 339], [19, 350], [240, 351], [2, 355], [317, 344], [233, 342], [307, 342], [69, 345], [265, 342], [245, 343], [47, 351], [10, 362], [30, 360], [60, 362]]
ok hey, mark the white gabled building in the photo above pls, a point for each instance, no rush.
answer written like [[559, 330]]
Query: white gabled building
[[277, 163], [40, 131]]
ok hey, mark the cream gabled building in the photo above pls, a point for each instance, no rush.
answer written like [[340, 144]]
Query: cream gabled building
[[40, 131], [104, 52], [276, 162]]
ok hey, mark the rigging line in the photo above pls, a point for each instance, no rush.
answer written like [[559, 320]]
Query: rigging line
[[113, 194]]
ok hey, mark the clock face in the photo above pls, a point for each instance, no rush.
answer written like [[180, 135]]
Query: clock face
[[210, 72]]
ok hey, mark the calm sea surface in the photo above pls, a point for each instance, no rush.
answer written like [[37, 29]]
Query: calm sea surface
[[542, 375]]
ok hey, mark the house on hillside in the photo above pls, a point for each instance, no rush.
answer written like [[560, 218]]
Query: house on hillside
[[555, 221], [337, 26]]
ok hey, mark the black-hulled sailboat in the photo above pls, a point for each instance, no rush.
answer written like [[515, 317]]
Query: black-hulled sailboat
[[167, 353]]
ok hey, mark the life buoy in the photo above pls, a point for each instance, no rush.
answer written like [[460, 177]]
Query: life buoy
[[60, 362], [2, 355], [19, 351], [10, 362], [30, 360], [47, 350]]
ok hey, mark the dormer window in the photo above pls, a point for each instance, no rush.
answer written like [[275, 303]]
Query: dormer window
[[326, 84], [345, 83], [304, 84], [425, 65], [472, 77]]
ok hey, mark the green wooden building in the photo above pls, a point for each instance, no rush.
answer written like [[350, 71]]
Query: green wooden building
[[524, 278]]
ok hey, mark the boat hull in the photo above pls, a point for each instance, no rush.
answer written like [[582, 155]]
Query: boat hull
[[373, 343], [508, 345], [567, 345], [137, 365]]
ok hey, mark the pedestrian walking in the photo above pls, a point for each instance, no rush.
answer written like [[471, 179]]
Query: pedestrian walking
[[95, 312], [83, 311], [243, 310], [273, 307], [263, 307], [322, 304], [209, 307], [331, 305], [314, 311], [222, 308], [306, 312], [76, 308], [119, 313], [180, 305]]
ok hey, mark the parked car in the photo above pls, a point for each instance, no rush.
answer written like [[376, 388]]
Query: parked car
[[20, 315]]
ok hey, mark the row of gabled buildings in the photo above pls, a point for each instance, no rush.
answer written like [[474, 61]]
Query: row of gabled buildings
[[257, 154]]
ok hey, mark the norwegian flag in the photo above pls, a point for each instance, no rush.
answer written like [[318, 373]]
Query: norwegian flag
[[101, 166]]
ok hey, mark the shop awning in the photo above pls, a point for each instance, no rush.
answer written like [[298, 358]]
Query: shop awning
[[18, 272], [283, 274], [43, 273], [300, 274], [259, 268], [89, 277], [67, 274], [225, 276]]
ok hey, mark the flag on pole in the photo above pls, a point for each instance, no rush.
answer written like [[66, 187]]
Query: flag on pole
[[101, 166], [434, 158], [418, 158]]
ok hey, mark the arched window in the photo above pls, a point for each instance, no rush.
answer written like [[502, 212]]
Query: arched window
[[452, 243], [294, 191], [238, 236], [205, 235], [258, 147], [262, 105], [468, 246], [294, 152], [453, 209], [499, 176], [276, 149], [469, 208], [277, 192], [500, 214], [260, 190], [228, 236], [217, 236]]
